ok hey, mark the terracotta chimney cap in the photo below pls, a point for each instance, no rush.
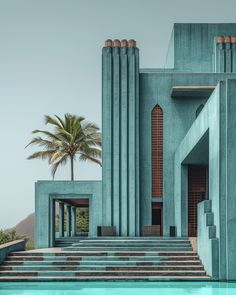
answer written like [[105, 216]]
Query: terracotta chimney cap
[[124, 43], [220, 39], [108, 43], [132, 43], [227, 39], [116, 43], [233, 39]]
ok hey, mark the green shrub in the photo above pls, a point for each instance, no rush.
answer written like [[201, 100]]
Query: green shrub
[[9, 236]]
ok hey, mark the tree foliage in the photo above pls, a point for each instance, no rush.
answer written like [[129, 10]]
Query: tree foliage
[[71, 137]]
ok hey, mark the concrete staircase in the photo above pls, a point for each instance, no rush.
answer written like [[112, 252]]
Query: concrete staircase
[[108, 259]]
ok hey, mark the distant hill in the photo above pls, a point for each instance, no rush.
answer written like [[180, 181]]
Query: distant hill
[[25, 227]]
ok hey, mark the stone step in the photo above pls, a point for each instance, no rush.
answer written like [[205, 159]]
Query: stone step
[[131, 278], [170, 245], [78, 254], [105, 273], [118, 238], [101, 253], [123, 248], [103, 262], [101, 268]]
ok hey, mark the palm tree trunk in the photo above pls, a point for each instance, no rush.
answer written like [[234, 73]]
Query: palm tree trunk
[[72, 167]]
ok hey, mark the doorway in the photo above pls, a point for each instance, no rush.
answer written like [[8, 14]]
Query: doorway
[[157, 216], [197, 192]]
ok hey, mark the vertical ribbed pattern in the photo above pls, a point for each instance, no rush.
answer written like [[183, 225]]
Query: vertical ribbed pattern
[[120, 139], [228, 58], [197, 188], [220, 58], [131, 140], [116, 138], [225, 54], [124, 141], [107, 109], [137, 172], [233, 49], [157, 152]]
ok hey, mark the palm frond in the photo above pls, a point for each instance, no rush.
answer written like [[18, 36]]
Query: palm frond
[[52, 121], [58, 154], [55, 166], [49, 134], [86, 157], [41, 155], [42, 142]]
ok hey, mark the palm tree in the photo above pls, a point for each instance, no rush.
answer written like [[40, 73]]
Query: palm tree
[[71, 136]]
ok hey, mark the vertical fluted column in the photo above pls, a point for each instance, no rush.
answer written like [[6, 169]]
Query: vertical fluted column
[[116, 135], [228, 55], [124, 138], [120, 137], [73, 222], [61, 219], [68, 220], [132, 140], [137, 180], [219, 55], [107, 123], [225, 54], [233, 49]]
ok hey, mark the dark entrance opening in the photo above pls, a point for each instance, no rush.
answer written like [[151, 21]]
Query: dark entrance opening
[[197, 192], [157, 217]]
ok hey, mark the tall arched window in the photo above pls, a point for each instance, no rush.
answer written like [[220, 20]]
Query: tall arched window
[[157, 152]]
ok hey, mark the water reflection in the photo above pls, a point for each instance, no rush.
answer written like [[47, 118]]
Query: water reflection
[[119, 288]]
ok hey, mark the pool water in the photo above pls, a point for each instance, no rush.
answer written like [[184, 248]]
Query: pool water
[[119, 288]]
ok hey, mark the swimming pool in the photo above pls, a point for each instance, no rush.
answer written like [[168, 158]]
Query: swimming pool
[[119, 288]]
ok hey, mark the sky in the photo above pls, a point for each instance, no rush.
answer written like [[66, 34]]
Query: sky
[[50, 63]]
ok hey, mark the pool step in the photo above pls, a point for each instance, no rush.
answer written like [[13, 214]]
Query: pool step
[[108, 259]]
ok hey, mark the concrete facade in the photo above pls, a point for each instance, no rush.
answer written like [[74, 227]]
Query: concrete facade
[[196, 91]]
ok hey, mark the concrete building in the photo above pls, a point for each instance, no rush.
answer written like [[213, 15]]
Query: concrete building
[[169, 149]]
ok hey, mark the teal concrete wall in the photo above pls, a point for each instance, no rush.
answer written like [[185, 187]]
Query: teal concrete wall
[[7, 248], [208, 244], [46, 192], [217, 118], [179, 115], [120, 136], [193, 46]]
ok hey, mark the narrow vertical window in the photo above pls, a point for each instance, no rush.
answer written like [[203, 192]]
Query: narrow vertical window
[[157, 152]]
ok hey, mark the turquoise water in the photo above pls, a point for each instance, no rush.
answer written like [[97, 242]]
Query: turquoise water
[[119, 288]]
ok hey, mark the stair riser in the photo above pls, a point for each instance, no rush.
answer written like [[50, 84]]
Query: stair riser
[[103, 268], [84, 263], [174, 249], [105, 273]]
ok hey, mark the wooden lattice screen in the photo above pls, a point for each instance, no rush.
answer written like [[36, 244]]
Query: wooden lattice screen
[[157, 152], [196, 193]]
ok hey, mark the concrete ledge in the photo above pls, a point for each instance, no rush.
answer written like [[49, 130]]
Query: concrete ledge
[[5, 249]]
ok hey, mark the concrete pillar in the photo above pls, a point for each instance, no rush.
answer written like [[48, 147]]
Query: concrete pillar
[[68, 220], [233, 49], [124, 140], [116, 136], [107, 108], [120, 137], [73, 221], [61, 219], [219, 54], [228, 55]]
